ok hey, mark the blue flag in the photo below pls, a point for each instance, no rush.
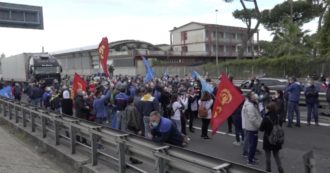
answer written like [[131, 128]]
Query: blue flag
[[205, 86], [6, 92], [149, 72]]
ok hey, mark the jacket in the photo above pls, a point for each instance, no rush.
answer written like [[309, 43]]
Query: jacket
[[121, 101], [293, 91], [312, 95], [251, 118], [67, 105], [166, 132], [99, 106], [80, 106], [266, 127], [132, 119], [148, 103]]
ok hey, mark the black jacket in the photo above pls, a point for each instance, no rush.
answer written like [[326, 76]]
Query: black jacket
[[266, 127], [67, 106]]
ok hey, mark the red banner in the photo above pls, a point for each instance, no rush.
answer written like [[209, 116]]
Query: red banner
[[78, 83], [103, 51], [227, 100]]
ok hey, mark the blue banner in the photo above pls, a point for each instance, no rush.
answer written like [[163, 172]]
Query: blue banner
[[149, 72], [6, 92], [205, 86]]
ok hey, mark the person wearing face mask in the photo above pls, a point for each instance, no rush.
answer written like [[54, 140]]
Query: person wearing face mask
[[279, 100], [251, 120], [293, 91], [312, 101], [327, 82], [163, 130]]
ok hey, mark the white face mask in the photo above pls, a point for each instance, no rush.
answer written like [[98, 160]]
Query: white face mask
[[327, 82]]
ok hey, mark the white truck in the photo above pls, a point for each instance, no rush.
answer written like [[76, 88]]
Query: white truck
[[28, 67]]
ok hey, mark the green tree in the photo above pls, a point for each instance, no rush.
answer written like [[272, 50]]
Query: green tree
[[325, 35], [289, 39]]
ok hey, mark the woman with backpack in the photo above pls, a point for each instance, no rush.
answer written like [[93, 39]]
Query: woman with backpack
[[273, 136], [204, 112]]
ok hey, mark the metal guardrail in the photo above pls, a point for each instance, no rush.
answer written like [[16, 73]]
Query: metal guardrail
[[111, 147]]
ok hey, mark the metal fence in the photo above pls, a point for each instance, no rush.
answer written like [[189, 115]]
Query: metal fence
[[111, 147]]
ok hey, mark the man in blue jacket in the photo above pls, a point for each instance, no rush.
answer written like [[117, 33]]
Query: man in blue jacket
[[163, 130], [293, 91], [312, 101], [100, 107]]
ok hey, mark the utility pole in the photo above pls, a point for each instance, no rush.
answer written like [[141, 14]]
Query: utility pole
[[216, 37]]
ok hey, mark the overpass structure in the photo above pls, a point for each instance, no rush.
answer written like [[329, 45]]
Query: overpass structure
[[105, 149]]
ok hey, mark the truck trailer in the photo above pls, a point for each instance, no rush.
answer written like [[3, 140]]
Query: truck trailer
[[31, 67]]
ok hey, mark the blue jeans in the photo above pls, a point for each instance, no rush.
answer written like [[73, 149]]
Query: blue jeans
[[293, 107], [118, 120], [252, 143], [245, 143], [312, 108], [114, 120], [178, 125], [36, 102], [147, 129]]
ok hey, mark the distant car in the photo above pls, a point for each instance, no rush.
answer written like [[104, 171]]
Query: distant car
[[271, 83]]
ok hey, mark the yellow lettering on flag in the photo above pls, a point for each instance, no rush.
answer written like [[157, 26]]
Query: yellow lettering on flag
[[101, 51], [225, 98]]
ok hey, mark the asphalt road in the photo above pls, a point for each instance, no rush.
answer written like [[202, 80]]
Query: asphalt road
[[298, 141]]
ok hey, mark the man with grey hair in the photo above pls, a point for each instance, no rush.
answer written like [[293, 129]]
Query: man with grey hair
[[163, 130]]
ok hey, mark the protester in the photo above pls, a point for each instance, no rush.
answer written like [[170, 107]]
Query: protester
[[251, 120], [192, 110], [312, 102], [279, 100], [55, 102], [204, 112], [132, 117], [99, 106], [46, 97], [268, 124], [67, 103], [148, 104], [163, 130], [177, 108], [17, 92], [120, 104], [263, 99], [293, 90]]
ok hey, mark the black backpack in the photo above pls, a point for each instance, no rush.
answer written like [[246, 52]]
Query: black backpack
[[276, 136]]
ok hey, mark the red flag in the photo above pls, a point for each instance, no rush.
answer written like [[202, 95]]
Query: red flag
[[227, 100], [103, 54], [78, 83]]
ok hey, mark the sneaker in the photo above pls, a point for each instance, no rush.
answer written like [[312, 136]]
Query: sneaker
[[206, 137], [245, 155], [237, 143], [253, 163]]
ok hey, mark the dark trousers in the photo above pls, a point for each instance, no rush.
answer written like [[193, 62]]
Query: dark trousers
[[183, 124], [238, 131], [312, 108], [252, 143], [293, 107], [205, 126], [192, 116], [230, 124], [277, 160]]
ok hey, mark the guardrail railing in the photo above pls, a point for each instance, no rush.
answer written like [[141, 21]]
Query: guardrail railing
[[112, 147]]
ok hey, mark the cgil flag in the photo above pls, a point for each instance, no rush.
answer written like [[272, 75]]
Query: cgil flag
[[103, 51], [149, 72], [227, 100], [78, 83], [205, 86]]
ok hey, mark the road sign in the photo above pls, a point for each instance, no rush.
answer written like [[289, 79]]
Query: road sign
[[21, 16]]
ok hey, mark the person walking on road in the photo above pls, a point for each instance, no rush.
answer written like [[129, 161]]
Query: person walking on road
[[312, 101], [251, 120], [280, 104], [293, 91], [270, 120], [204, 112]]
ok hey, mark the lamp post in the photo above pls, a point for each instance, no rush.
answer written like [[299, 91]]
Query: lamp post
[[216, 37]]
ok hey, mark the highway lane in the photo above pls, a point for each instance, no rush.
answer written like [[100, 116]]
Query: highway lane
[[298, 141]]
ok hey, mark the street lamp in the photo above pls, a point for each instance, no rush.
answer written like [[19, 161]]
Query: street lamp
[[216, 37]]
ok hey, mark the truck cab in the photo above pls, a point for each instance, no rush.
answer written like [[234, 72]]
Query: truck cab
[[44, 68]]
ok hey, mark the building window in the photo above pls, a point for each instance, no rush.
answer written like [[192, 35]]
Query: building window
[[184, 49], [184, 35]]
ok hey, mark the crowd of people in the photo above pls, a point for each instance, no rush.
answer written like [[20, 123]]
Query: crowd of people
[[162, 109]]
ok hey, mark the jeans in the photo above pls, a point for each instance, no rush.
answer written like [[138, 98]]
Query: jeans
[[253, 143], [114, 120], [100, 120], [312, 108], [178, 125], [277, 160], [293, 107], [36, 102], [205, 126], [230, 124], [118, 120], [183, 124], [147, 129]]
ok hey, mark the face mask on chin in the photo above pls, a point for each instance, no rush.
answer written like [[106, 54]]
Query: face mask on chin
[[154, 124]]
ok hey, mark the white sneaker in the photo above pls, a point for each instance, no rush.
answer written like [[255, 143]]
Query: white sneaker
[[237, 143]]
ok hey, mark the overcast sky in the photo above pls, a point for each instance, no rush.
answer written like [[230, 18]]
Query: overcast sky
[[78, 23]]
